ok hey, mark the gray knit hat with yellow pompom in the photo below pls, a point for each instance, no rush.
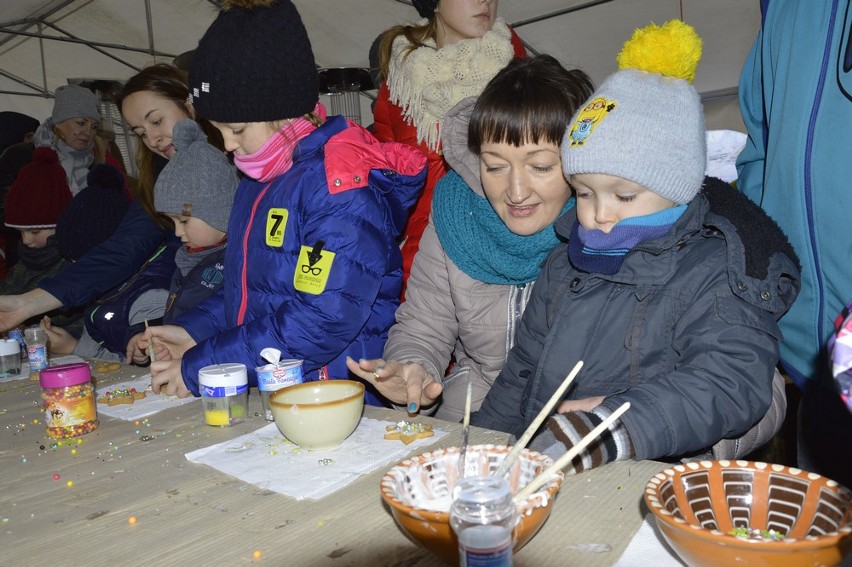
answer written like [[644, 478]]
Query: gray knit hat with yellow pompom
[[254, 64], [645, 123], [198, 181]]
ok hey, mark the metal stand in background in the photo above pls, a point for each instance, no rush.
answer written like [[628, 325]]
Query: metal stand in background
[[343, 86]]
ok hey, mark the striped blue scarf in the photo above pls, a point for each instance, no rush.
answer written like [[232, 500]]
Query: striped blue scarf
[[596, 251], [479, 243]]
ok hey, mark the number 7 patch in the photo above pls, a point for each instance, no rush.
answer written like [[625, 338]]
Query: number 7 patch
[[276, 222]]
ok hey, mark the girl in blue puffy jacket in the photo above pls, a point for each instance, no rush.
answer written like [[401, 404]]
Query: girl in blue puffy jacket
[[313, 267]]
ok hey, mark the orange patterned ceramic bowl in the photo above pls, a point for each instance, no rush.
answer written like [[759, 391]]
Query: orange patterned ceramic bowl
[[419, 493], [750, 513]]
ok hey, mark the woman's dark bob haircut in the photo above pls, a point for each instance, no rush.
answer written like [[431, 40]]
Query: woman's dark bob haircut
[[530, 101]]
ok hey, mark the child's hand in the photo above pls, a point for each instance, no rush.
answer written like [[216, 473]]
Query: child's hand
[[400, 383], [135, 355], [170, 342], [59, 340], [167, 379]]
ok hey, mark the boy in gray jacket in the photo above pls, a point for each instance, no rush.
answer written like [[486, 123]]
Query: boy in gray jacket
[[668, 287]]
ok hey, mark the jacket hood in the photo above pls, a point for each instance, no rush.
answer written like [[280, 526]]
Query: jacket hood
[[353, 155], [763, 267], [454, 143]]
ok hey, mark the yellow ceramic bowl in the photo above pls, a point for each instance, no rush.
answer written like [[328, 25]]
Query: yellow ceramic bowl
[[318, 415], [697, 505], [419, 492]]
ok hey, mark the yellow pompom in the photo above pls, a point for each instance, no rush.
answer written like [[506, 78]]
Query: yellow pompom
[[672, 49]]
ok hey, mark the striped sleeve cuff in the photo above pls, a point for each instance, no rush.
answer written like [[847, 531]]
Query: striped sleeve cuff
[[564, 430]]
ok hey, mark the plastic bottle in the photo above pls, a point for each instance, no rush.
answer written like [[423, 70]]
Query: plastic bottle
[[18, 335], [483, 517], [276, 375], [68, 398], [36, 339]]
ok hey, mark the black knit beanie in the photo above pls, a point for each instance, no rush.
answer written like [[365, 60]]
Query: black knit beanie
[[425, 8], [254, 64], [93, 214]]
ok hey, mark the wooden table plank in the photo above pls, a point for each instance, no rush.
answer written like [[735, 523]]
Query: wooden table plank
[[191, 514]]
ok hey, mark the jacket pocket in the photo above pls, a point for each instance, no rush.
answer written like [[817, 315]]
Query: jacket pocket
[[735, 311]]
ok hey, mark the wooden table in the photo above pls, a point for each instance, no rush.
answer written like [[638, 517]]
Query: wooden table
[[190, 514]]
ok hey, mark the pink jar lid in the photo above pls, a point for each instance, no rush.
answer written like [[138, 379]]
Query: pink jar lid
[[65, 375]]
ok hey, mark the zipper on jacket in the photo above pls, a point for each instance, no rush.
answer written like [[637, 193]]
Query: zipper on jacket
[[809, 145], [241, 313]]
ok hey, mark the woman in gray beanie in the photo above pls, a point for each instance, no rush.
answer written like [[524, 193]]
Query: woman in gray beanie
[[71, 131]]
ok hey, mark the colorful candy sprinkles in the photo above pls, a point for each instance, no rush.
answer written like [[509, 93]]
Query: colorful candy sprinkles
[[756, 534]]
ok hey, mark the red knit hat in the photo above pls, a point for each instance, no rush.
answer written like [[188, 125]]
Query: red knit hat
[[39, 193]]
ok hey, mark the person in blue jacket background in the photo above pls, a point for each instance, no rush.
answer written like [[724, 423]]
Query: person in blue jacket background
[[313, 267], [796, 99]]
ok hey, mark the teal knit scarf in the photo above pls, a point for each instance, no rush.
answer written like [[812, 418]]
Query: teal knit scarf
[[478, 242]]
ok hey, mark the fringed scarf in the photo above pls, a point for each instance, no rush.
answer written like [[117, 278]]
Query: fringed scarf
[[427, 82]]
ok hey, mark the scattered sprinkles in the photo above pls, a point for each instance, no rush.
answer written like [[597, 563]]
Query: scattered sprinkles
[[256, 554], [407, 432], [756, 534], [55, 476], [69, 484], [131, 520], [325, 462]]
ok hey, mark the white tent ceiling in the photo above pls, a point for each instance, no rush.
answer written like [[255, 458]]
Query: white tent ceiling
[[110, 39]]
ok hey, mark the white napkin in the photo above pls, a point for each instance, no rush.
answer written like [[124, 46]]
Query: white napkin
[[649, 547], [149, 405], [54, 361], [267, 459]]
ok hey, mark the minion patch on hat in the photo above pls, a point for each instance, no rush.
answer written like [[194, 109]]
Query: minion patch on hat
[[313, 268], [595, 111], [276, 222]]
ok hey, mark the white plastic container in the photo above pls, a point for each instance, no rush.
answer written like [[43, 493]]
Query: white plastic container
[[279, 374], [224, 393], [10, 358]]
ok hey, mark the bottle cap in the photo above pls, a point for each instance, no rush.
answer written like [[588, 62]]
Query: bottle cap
[[222, 375], [10, 346], [65, 375]]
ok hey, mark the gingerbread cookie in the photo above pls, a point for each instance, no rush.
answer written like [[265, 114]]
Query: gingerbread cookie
[[103, 366], [121, 396], [408, 432]]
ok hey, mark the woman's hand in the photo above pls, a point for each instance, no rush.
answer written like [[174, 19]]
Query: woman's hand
[[170, 342], [586, 404], [59, 340], [15, 309], [407, 383], [167, 379]]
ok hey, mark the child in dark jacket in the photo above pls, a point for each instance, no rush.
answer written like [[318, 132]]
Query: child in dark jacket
[[669, 286], [197, 183], [36, 198]]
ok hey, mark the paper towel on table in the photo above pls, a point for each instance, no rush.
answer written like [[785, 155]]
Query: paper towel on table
[[648, 547], [54, 361], [268, 460], [149, 405]]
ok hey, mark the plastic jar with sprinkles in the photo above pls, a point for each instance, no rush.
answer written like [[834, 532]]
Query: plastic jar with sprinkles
[[68, 400]]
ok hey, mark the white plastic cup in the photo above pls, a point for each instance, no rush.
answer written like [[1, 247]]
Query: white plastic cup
[[224, 393]]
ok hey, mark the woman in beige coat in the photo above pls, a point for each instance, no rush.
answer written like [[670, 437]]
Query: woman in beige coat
[[490, 230]]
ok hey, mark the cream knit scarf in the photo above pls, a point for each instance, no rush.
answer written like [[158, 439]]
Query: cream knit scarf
[[428, 82]]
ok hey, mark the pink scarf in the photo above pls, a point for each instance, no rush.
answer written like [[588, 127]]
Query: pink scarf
[[276, 155]]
